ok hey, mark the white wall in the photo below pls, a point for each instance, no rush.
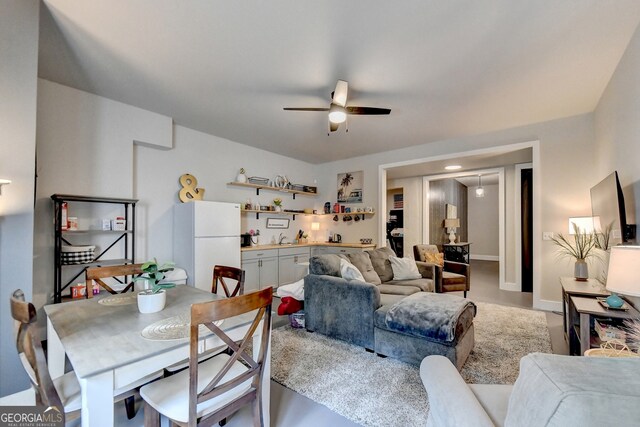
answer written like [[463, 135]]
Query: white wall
[[90, 145], [214, 162], [482, 222], [18, 81], [617, 130], [566, 151]]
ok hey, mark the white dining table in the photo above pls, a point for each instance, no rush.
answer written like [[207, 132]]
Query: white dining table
[[107, 350]]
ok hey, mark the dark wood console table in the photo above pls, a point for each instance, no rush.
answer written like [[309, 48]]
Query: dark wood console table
[[458, 252]]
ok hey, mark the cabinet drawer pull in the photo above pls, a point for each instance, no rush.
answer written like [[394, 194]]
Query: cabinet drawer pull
[[260, 253]]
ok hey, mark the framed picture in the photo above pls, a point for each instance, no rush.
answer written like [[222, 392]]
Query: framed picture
[[277, 222], [452, 211], [350, 187]]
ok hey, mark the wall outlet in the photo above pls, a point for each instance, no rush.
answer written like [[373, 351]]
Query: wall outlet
[[547, 235]]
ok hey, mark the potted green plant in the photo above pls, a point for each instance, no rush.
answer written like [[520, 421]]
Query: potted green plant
[[154, 298], [278, 203], [581, 248]]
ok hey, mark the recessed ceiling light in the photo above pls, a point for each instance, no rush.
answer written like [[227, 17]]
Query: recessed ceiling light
[[453, 167]]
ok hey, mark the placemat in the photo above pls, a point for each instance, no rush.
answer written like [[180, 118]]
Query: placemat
[[119, 299], [173, 328]]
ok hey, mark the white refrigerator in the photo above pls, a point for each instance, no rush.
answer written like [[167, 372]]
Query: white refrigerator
[[205, 234]]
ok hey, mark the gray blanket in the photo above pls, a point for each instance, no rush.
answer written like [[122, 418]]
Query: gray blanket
[[428, 315]]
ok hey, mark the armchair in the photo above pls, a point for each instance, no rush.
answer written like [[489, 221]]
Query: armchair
[[453, 277]]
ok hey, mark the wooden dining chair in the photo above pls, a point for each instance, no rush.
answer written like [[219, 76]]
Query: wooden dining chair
[[62, 392], [94, 276], [34, 362], [221, 272], [213, 390]]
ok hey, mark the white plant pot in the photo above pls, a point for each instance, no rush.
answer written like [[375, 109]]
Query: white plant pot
[[581, 270], [149, 302], [241, 178]]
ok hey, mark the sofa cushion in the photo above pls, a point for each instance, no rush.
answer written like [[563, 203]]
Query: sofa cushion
[[362, 261], [578, 391], [385, 288], [388, 299], [454, 278], [381, 264], [349, 271], [425, 285], [325, 265]]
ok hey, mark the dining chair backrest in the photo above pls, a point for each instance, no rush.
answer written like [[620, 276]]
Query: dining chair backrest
[[120, 273], [206, 314], [31, 353], [220, 272]]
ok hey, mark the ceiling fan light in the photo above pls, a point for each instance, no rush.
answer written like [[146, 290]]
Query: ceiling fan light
[[337, 114]]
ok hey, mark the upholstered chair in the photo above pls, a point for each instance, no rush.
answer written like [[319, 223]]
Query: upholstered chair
[[451, 276]]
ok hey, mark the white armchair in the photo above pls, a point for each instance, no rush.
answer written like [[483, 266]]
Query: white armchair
[[551, 390]]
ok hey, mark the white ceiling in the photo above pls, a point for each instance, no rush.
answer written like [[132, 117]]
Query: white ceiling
[[445, 68]]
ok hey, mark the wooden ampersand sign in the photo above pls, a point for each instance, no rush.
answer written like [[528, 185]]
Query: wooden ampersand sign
[[189, 191]]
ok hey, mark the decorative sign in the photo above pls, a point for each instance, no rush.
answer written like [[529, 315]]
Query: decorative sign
[[189, 191], [277, 223]]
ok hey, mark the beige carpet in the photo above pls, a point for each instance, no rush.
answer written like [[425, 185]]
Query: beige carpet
[[373, 391]]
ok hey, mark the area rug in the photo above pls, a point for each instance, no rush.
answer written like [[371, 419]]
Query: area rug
[[373, 391]]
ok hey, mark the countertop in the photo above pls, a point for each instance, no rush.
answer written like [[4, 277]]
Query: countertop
[[301, 245]]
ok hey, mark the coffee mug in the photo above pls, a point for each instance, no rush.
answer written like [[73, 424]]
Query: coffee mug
[[347, 210], [369, 209], [359, 209]]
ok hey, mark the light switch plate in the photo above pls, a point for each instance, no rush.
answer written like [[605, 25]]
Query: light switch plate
[[547, 235]]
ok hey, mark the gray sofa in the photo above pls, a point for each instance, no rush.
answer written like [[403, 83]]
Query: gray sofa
[[551, 390], [355, 311]]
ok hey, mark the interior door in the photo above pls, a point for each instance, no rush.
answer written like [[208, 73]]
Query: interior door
[[526, 220]]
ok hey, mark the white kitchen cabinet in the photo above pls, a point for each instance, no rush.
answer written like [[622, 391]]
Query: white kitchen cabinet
[[289, 268], [339, 250], [261, 269]]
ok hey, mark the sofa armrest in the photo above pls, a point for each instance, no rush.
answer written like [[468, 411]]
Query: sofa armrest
[[427, 270], [451, 401], [341, 308], [457, 267]]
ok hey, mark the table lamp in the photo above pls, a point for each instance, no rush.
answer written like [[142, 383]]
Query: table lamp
[[451, 224], [624, 274], [315, 226]]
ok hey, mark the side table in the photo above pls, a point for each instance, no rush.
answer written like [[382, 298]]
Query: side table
[[588, 308], [591, 288]]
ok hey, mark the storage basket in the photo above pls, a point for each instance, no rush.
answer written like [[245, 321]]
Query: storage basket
[[297, 319], [77, 254]]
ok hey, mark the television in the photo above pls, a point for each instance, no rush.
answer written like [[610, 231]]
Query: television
[[608, 209]]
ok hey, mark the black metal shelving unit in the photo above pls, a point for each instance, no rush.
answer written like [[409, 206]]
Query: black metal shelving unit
[[61, 236]]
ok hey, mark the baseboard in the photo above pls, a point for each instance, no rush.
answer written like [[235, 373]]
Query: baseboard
[[484, 257], [547, 305], [510, 286]]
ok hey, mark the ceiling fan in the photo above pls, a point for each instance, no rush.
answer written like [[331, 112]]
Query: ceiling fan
[[338, 108]]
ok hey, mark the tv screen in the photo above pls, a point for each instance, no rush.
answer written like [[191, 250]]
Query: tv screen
[[607, 207]]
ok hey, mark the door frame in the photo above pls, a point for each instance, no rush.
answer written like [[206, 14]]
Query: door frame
[[501, 211], [538, 303]]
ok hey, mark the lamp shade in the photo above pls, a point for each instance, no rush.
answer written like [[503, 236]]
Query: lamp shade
[[584, 223], [315, 226], [624, 270], [452, 223]]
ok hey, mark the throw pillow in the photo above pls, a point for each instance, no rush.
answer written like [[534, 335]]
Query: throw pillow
[[363, 263], [404, 268], [349, 271], [437, 259]]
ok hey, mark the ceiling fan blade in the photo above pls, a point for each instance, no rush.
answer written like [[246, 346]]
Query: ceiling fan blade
[[370, 111], [340, 94], [305, 109], [333, 126]]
